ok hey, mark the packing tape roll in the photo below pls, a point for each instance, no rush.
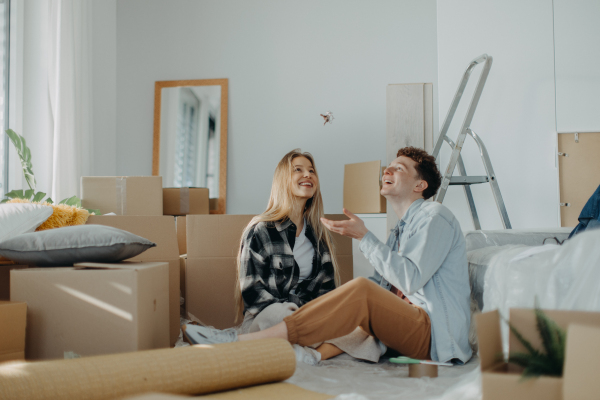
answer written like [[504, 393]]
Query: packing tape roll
[[184, 200], [184, 370], [422, 370], [121, 185]]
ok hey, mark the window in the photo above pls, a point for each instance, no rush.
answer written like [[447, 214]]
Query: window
[[4, 40], [187, 138]]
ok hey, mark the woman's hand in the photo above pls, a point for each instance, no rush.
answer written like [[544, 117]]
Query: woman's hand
[[353, 227]]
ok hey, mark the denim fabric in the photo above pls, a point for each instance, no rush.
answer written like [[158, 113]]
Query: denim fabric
[[429, 265], [590, 215]]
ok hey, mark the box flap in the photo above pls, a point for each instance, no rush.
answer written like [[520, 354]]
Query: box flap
[[158, 229], [133, 266], [489, 338], [582, 363]]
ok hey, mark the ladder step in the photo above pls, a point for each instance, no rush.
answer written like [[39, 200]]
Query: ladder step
[[468, 180]]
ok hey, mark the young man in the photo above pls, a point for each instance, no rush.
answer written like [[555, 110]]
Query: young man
[[418, 301]]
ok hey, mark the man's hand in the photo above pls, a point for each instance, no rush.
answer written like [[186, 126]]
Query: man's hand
[[354, 227]]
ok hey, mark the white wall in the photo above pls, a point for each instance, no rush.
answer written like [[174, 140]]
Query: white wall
[[287, 62], [577, 34], [104, 81], [516, 113]]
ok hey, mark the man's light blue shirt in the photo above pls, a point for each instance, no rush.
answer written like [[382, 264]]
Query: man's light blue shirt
[[430, 268]]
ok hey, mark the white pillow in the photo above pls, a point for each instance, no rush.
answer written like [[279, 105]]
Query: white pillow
[[18, 218]]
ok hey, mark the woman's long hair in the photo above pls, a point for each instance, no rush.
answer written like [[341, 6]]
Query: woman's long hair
[[281, 205]]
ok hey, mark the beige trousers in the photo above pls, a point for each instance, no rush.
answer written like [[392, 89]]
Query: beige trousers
[[403, 327]]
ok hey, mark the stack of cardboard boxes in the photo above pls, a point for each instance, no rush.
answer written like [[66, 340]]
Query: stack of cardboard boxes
[[90, 309]]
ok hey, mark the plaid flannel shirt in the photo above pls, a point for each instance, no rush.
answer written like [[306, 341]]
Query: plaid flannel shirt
[[269, 271]]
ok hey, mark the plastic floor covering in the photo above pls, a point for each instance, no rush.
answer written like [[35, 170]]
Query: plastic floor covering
[[348, 379]]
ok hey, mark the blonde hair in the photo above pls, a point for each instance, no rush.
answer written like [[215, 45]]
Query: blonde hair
[[281, 206]]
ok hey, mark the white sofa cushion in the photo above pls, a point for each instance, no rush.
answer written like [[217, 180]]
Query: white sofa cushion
[[18, 218]]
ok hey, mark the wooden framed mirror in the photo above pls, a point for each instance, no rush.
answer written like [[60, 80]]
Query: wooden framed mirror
[[190, 136]]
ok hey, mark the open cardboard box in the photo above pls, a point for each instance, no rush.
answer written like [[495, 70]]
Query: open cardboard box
[[362, 185], [160, 230], [123, 195], [213, 243], [501, 380], [94, 308], [13, 317]]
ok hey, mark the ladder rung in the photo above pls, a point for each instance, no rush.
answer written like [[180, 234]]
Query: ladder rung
[[468, 180]]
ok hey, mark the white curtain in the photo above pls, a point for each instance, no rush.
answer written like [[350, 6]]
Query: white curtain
[[69, 92]]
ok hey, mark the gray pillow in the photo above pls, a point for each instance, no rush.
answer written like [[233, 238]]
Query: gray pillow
[[73, 244]]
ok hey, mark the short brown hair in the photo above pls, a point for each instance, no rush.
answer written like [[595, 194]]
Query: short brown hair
[[426, 169]]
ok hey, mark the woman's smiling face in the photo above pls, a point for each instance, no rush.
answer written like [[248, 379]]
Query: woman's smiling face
[[304, 178]]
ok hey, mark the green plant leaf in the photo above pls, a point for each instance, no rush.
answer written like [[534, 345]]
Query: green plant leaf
[[93, 211], [4, 201], [29, 193], [38, 197], [523, 341], [49, 201], [519, 358], [14, 138], [553, 339], [25, 155], [71, 201], [74, 201], [15, 194], [535, 362]]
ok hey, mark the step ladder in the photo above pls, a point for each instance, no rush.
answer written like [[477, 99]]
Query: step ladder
[[463, 179]]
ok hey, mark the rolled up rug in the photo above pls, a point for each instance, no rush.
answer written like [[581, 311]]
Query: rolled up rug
[[197, 369]]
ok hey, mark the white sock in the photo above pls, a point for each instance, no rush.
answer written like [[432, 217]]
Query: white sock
[[307, 355]]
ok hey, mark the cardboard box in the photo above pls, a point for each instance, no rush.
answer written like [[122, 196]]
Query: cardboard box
[[501, 380], [13, 317], [210, 274], [362, 185], [210, 271], [5, 268], [184, 201], [181, 234], [160, 230], [123, 195], [94, 308], [213, 203]]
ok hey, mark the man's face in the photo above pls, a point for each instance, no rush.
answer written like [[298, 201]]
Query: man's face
[[400, 179]]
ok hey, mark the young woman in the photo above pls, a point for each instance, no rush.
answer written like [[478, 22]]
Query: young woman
[[286, 257], [286, 254]]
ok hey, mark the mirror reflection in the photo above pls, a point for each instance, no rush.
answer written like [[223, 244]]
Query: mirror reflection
[[189, 137]]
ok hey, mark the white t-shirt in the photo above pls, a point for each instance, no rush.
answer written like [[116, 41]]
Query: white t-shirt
[[303, 254]]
